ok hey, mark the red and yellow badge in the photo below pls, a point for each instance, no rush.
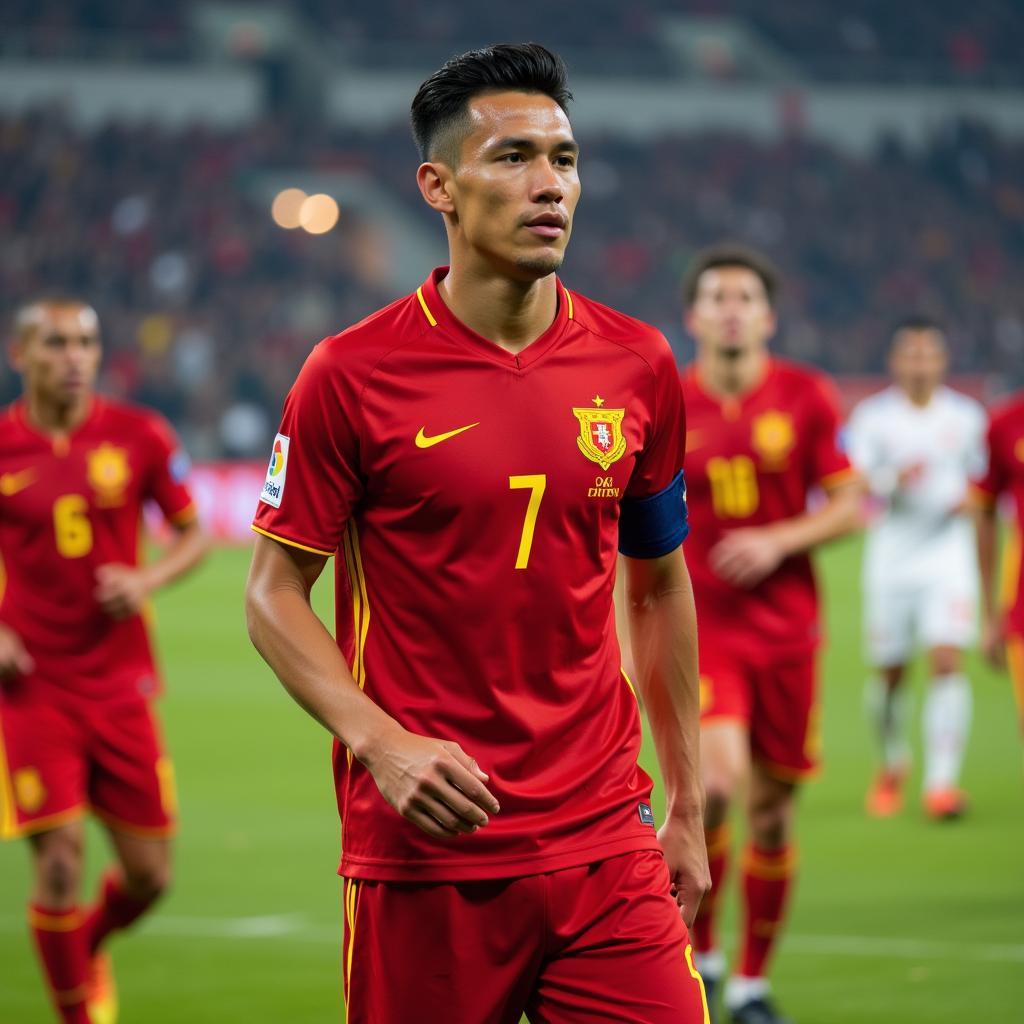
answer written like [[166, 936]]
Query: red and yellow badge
[[29, 790], [773, 437], [600, 438], [108, 471]]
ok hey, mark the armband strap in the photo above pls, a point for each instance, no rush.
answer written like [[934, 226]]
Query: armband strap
[[653, 526]]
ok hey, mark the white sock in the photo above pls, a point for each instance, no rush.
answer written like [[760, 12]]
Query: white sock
[[710, 964], [887, 710], [740, 990], [947, 720]]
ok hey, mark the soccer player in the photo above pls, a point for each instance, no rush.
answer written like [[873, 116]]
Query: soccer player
[[761, 436], [917, 444], [77, 677], [1003, 620], [473, 454]]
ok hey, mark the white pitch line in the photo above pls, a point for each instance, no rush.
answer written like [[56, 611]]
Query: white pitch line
[[298, 928]]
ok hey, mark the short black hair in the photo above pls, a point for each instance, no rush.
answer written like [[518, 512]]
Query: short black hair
[[730, 254], [440, 103], [918, 322]]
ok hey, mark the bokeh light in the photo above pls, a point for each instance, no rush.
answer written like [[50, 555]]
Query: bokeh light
[[286, 207], [319, 213]]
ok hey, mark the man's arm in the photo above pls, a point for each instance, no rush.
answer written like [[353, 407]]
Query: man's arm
[[122, 590], [746, 556], [663, 626], [987, 530], [431, 782]]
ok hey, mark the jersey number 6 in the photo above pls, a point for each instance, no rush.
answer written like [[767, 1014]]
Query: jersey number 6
[[71, 527]]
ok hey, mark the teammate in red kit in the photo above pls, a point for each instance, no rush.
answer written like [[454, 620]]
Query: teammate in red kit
[[474, 454], [77, 676], [761, 434], [1003, 620]]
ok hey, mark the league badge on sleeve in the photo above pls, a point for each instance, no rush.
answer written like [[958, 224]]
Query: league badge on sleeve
[[273, 486], [600, 437]]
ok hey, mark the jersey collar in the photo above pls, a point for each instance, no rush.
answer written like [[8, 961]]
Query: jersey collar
[[440, 317]]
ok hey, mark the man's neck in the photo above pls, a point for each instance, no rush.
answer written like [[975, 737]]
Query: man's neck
[[510, 313], [920, 398], [54, 417], [731, 378]]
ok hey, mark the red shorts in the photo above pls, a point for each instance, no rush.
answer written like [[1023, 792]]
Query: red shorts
[[601, 942], [60, 757], [775, 699]]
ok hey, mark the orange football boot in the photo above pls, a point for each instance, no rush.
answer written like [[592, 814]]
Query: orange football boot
[[885, 797], [101, 1001], [945, 804]]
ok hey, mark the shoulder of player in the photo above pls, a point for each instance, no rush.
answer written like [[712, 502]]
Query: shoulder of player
[[129, 416], [1008, 410], [878, 404], [802, 381], [357, 350], [608, 325]]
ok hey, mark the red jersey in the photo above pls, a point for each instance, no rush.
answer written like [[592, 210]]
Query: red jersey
[[67, 507], [473, 498], [1006, 476], [752, 461]]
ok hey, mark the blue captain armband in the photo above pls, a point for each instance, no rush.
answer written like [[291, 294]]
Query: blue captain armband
[[653, 526]]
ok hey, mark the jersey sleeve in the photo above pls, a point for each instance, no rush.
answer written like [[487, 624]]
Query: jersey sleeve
[[989, 485], [167, 481], [661, 457], [866, 453], [313, 479], [828, 464]]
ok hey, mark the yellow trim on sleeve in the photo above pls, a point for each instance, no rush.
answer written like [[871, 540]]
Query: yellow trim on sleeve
[[425, 307], [186, 516], [839, 477], [290, 543]]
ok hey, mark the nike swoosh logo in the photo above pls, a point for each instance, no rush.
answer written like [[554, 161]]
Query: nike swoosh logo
[[11, 483], [422, 441]]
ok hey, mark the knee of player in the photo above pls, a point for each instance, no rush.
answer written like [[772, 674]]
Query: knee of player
[[770, 824], [147, 882], [719, 789], [59, 873], [945, 661]]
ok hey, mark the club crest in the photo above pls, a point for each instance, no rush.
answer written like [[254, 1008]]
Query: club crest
[[773, 437], [600, 437], [108, 473]]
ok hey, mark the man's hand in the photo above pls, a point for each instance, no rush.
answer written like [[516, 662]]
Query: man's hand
[[433, 783], [993, 643], [682, 841], [14, 659], [745, 557], [121, 590]]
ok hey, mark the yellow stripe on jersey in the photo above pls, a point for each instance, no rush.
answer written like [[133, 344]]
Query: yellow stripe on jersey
[[8, 815], [425, 307], [360, 607], [568, 302], [695, 974], [1015, 664], [291, 543]]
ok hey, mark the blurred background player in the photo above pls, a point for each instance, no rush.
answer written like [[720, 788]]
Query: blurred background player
[[479, 664], [77, 676], [917, 444], [1003, 616], [761, 435]]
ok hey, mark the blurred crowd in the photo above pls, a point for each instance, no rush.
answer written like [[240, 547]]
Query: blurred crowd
[[862, 39], [209, 308]]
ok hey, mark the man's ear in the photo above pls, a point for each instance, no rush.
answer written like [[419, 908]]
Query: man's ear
[[435, 180]]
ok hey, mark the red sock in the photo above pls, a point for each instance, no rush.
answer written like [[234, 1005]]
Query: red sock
[[60, 940], [719, 842], [767, 879], [115, 909]]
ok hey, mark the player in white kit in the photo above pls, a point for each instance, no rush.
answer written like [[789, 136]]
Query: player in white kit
[[918, 443]]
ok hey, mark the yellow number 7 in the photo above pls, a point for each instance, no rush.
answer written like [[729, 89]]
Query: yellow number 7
[[535, 483]]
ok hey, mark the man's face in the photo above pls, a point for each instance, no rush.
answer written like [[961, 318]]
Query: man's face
[[730, 315], [58, 355], [517, 183], [918, 359]]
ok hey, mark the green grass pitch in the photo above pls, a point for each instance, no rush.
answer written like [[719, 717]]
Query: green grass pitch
[[897, 922]]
